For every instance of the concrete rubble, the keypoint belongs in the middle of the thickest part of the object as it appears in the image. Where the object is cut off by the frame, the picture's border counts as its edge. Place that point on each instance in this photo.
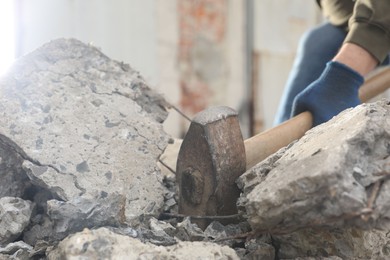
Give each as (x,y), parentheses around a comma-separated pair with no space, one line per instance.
(76,124)
(334,178)
(81,137)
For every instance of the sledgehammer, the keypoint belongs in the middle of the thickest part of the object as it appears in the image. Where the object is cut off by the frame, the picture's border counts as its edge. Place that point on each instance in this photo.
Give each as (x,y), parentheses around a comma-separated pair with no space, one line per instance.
(213,154)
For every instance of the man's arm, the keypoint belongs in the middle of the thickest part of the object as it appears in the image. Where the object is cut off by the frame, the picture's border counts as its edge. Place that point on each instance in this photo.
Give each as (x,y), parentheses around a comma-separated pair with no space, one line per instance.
(367,44)
(338,86)
(357,58)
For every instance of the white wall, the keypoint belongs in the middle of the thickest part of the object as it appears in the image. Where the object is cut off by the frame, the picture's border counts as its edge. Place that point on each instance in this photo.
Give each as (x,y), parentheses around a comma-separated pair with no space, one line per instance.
(125,30)
(167,67)
(278,27)
(235,53)
(7,43)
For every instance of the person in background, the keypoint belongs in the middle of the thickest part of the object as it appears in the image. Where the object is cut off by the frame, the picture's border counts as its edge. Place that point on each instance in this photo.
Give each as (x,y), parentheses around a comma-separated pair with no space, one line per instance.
(333,58)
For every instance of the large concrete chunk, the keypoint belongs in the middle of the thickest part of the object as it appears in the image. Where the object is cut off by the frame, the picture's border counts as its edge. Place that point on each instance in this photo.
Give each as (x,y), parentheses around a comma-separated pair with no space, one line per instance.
(84,126)
(336,175)
(104,244)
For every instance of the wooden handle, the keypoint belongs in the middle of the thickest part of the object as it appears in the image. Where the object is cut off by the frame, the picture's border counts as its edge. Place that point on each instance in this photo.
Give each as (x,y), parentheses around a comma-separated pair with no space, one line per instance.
(261,146)
(376,83)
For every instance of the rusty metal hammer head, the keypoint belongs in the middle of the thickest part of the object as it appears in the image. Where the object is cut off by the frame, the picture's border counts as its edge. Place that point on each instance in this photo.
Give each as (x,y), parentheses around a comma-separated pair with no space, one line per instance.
(211,158)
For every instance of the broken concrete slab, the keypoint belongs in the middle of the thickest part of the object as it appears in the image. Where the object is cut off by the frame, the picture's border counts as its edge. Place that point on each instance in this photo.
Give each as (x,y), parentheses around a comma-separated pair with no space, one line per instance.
(84,127)
(15,215)
(336,175)
(102,243)
(83,135)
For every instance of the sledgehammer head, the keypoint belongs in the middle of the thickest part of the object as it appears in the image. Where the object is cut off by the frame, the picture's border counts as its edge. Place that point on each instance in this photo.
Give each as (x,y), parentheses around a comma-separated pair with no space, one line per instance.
(211,158)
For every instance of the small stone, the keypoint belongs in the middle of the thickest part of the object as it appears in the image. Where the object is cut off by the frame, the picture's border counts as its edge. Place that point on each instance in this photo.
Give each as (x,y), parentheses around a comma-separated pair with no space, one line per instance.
(14,247)
(15,215)
(187,231)
(156,225)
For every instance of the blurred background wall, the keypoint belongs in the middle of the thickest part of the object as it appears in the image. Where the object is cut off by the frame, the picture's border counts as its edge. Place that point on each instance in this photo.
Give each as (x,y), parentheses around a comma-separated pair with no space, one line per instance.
(197,53)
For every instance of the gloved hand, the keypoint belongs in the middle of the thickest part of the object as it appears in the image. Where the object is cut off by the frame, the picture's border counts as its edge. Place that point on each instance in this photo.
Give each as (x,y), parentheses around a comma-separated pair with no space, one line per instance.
(335,90)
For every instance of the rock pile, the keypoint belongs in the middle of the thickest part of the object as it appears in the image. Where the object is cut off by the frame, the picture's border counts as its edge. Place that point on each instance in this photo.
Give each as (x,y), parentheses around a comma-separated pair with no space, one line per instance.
(333,180)
(80,140)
